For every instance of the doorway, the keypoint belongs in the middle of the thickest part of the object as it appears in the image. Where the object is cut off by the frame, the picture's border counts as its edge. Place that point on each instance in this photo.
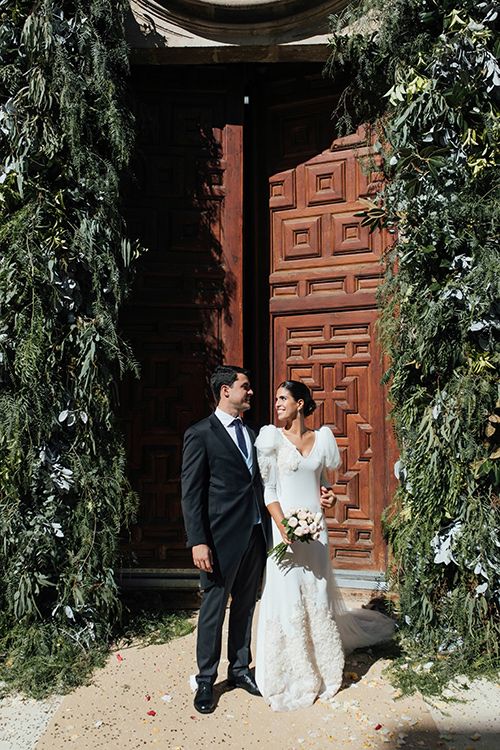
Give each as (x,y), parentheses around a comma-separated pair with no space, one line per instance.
(255,255)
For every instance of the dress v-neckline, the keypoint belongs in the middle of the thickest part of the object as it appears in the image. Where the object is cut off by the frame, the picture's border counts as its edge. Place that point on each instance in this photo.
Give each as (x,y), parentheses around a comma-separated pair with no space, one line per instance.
(294,446)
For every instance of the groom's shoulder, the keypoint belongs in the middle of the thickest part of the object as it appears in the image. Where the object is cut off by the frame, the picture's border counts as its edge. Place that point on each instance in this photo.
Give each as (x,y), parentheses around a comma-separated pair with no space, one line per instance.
(201,426)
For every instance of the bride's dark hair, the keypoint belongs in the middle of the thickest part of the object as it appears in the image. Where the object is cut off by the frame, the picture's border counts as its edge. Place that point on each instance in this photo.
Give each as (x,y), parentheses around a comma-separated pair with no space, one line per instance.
(300,391)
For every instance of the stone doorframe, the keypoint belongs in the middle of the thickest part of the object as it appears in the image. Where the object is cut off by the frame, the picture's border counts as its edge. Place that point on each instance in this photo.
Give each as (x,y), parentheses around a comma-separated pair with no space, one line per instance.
(222,31)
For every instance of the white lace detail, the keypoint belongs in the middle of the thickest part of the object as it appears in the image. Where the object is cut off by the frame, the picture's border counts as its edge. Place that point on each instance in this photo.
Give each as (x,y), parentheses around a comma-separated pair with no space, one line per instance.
(288,456)
(306,661)
(266,464)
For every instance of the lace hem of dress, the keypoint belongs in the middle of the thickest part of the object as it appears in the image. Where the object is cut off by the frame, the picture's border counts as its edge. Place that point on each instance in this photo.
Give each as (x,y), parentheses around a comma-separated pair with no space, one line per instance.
(305,657)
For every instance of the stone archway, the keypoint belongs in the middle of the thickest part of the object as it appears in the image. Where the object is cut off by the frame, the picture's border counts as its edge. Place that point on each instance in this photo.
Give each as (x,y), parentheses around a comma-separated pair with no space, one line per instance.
(232,30)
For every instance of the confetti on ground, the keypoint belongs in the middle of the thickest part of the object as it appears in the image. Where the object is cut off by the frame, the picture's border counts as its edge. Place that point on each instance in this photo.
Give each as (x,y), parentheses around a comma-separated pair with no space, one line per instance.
(98,723)
(475,736)
(166,698)
(377,727)
(147,697)
(119,657)
(192,683)
(151,713)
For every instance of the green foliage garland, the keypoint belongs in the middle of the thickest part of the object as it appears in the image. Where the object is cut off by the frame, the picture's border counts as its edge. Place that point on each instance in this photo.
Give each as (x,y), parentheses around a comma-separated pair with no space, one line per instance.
(64,139)
(424,72)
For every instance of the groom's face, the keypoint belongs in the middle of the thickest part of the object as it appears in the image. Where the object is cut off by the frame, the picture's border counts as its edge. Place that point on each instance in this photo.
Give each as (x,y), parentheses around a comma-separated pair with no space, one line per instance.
(238,394)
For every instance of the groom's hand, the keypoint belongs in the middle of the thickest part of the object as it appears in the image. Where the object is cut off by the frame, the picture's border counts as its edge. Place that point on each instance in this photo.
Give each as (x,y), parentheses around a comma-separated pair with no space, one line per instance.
(202,557)
(327,498)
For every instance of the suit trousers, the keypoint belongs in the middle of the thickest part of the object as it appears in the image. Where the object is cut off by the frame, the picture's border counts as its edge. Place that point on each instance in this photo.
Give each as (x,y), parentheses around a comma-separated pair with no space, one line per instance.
(242,584)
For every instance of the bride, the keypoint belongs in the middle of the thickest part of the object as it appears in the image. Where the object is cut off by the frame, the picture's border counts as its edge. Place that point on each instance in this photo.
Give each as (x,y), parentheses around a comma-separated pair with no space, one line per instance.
(304,629)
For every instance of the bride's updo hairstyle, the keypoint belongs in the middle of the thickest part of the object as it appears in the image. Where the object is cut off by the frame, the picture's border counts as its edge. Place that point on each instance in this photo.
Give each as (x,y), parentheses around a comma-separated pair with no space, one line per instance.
(300,391)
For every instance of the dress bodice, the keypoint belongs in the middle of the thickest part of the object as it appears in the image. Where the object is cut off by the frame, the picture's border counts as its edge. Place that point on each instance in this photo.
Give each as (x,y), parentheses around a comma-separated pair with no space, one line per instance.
(289,477)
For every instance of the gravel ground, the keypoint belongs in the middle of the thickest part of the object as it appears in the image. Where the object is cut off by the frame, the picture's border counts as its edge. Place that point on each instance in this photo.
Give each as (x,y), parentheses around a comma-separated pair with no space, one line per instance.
(142,699)
(23,721)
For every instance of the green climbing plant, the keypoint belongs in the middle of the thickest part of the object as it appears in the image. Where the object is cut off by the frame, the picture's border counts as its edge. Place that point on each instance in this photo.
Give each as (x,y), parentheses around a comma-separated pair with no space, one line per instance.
(424,73)
(65,138)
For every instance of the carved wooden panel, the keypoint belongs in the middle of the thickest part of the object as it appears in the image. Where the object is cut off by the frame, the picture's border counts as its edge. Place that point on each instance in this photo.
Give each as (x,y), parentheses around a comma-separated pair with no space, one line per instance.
(324,271)
(337,356)
(184,315)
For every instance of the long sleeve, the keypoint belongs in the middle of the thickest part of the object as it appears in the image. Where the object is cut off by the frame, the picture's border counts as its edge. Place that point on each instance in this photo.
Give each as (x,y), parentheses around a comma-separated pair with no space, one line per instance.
(266,457)
(194,480)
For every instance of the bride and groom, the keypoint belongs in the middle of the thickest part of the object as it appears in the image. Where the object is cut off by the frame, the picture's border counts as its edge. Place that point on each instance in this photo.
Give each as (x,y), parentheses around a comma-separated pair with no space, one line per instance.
(235,492)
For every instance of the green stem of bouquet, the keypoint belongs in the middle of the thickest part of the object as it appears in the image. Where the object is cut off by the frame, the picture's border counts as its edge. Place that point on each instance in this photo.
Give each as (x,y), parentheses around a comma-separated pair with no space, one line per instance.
(279,551)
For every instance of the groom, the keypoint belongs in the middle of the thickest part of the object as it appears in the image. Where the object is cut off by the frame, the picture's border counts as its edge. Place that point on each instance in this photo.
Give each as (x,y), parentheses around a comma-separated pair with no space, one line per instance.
(227,526)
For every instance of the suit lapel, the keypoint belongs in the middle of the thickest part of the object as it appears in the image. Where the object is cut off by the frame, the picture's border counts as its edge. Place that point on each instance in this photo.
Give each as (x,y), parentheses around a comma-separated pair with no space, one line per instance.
(226,439)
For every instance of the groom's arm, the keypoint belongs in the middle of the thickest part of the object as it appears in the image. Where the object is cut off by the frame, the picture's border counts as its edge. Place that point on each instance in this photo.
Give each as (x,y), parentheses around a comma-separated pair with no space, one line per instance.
(194,480)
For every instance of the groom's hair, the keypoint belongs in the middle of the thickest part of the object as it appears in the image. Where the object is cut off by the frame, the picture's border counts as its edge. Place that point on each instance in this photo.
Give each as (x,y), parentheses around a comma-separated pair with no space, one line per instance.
(224,375)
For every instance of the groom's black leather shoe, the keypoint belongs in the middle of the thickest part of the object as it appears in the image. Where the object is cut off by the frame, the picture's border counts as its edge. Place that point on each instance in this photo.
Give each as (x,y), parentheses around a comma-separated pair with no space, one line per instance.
(245,681)
(204,698)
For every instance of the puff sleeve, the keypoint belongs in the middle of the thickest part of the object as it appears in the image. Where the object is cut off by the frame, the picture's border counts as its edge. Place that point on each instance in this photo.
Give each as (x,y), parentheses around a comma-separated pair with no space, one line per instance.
(330,452)
(266,446)
(331,455)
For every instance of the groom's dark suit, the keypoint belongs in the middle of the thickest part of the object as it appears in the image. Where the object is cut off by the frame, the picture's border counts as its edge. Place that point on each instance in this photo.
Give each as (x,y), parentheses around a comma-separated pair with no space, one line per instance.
(221,501)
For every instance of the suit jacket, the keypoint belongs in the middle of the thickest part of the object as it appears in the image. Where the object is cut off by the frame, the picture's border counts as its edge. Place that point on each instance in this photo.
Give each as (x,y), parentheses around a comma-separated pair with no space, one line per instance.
(219,493)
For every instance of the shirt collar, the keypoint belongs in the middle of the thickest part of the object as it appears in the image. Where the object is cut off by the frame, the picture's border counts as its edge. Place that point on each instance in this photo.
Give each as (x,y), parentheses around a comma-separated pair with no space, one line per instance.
(224,417)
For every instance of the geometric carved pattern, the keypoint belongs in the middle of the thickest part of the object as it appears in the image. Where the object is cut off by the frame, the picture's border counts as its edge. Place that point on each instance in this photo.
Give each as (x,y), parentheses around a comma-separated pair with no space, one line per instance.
(302,238)
(325,268)
(282,190)
(336,355)
(326,183)
(313,215)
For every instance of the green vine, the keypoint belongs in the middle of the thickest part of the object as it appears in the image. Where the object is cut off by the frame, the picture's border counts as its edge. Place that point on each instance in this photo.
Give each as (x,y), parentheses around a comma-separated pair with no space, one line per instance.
(65,138)
(424,73)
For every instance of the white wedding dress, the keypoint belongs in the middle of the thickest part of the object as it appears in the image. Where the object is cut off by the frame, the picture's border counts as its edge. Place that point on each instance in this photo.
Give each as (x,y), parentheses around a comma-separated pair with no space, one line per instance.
(304,629)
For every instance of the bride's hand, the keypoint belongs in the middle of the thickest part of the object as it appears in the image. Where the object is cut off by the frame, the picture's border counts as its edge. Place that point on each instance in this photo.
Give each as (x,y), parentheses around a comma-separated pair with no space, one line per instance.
(282,531)
(327,498)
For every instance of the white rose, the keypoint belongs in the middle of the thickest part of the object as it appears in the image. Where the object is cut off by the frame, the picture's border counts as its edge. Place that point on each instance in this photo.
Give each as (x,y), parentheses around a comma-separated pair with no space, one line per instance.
(292,522)
(303,523)
(299,531)
(302,515)
(313,528)
(316,536)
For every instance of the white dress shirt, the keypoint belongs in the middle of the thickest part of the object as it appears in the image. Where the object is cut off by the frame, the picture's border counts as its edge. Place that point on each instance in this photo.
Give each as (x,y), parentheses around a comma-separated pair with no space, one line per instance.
(226,420)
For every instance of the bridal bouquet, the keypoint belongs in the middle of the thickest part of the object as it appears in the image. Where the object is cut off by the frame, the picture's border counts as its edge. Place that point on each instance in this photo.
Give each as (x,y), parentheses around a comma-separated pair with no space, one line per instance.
(301,526)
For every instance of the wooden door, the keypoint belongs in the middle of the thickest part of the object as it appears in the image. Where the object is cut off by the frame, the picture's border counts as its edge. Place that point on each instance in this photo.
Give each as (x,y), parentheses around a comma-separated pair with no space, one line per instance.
(325,268)
(185,313)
